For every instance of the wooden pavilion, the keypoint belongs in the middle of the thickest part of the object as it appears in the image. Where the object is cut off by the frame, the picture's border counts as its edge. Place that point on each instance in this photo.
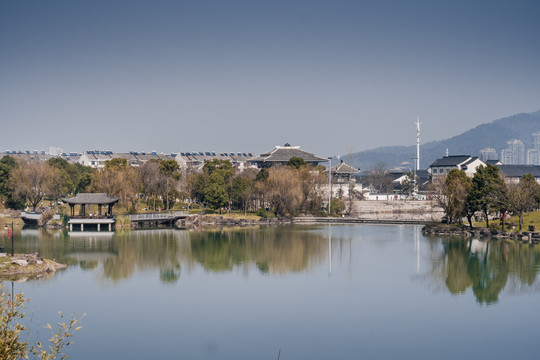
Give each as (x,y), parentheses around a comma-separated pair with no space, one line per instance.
(99,199)
(343,173)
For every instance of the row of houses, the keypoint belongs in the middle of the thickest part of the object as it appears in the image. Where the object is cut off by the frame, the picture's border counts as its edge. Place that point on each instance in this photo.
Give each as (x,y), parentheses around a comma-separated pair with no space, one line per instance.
(194,161)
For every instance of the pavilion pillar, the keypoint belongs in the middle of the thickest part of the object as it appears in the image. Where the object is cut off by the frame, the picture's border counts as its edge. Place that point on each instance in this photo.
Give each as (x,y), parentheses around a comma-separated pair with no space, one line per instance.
(109,226)
(82,227)
(99,209)
(70,227)
(98,226)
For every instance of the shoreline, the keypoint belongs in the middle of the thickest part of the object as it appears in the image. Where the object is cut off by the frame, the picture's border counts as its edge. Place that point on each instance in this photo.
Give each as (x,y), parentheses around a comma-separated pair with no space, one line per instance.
(355,220)
(27,266)
(531,237)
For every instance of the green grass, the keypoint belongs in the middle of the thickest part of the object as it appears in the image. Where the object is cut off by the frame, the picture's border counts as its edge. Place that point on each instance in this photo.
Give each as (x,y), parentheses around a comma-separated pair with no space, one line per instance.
(530,218)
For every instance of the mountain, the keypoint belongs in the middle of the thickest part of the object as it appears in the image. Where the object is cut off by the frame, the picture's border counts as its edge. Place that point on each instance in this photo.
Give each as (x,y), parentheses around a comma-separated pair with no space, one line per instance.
(494,135)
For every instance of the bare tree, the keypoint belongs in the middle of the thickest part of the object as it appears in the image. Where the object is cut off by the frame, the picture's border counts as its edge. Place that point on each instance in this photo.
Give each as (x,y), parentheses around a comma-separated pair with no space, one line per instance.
(118,179)
(451,194)
(522,197)
(284,190)
(34,180)
(378,177)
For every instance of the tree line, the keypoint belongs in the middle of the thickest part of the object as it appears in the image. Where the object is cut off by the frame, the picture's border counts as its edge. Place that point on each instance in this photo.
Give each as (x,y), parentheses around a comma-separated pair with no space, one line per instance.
(159,184)
(486,193)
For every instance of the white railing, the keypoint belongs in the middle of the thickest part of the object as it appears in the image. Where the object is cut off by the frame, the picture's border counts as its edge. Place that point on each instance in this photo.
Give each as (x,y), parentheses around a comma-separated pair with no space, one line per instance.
(157,216)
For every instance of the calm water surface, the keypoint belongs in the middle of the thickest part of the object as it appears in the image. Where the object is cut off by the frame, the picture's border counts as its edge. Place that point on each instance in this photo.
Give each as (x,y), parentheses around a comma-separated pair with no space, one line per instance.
(313,292)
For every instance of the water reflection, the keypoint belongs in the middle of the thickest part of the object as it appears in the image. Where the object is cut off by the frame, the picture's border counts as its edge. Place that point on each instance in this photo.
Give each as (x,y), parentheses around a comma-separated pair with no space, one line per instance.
(486,267)
(273,250)
(118,256)
(483,269)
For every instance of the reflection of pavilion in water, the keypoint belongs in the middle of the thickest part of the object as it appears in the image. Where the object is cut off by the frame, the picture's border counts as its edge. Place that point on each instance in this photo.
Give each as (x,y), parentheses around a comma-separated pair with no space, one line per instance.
(90,249)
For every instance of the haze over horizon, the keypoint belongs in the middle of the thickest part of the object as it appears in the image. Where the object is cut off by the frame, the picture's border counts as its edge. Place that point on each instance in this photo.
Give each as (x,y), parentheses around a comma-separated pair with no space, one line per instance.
(332,77)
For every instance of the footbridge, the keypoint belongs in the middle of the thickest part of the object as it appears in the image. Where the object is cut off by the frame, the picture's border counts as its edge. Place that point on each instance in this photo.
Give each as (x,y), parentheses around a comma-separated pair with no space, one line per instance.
(152,219)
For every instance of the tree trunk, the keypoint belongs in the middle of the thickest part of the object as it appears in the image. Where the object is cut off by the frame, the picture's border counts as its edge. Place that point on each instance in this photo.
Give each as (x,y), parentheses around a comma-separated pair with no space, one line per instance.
(469,218)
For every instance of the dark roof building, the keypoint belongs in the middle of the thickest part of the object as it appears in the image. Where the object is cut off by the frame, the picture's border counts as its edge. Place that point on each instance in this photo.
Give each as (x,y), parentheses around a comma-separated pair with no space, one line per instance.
(442,166)
(512,173)
(282,154)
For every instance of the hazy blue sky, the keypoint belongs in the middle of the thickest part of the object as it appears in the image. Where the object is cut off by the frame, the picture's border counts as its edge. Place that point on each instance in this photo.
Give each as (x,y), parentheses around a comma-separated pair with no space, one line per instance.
(331,76)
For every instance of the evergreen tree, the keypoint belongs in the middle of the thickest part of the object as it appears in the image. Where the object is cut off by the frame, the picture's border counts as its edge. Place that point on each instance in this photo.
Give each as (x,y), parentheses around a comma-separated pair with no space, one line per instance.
(488,193)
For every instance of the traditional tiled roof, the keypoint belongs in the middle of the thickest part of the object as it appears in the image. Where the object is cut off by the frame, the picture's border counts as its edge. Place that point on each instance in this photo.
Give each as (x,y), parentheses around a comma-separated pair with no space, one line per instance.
(91,198)
(453,160)
(343,168)
(519,170)
(282,154)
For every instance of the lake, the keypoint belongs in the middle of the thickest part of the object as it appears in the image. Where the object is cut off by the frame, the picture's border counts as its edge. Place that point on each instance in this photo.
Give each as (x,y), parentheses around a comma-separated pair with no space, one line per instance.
(297,292)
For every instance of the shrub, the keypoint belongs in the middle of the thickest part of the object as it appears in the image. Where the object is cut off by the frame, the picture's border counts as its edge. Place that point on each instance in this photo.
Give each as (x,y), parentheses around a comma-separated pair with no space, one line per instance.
(338,206)
(265,213)
(12,346)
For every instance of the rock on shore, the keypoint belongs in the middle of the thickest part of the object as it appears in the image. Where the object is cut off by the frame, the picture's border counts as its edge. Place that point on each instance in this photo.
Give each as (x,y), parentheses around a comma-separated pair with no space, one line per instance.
(27,266)
(448,230)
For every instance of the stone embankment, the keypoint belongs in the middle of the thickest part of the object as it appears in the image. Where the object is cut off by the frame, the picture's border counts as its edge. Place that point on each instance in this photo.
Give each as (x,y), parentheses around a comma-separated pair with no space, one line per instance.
(447,230)
(396,210)
(23,266)
(195,222)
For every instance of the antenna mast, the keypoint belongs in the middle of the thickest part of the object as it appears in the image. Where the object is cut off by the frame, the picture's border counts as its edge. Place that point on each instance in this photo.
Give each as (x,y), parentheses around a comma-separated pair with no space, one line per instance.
(417,123)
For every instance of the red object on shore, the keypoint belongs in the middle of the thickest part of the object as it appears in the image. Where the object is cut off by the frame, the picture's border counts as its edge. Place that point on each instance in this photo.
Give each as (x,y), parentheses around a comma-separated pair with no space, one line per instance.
(9,233)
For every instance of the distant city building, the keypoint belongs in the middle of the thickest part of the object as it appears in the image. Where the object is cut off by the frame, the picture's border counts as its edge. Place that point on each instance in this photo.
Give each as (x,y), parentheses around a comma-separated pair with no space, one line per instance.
(441,167)
(514,154)
(533,155)
(282,154)
(488,154)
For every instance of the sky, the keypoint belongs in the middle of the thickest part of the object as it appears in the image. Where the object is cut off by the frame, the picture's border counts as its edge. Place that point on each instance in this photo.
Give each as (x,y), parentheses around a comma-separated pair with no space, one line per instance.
(334,77)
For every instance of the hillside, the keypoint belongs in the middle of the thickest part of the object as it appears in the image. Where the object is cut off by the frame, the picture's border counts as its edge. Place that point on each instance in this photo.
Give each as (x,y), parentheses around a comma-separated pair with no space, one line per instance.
(494,134)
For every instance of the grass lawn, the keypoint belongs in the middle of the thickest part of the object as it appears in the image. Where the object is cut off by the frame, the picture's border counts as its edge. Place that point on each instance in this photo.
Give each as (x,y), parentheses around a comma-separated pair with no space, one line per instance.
(530,218)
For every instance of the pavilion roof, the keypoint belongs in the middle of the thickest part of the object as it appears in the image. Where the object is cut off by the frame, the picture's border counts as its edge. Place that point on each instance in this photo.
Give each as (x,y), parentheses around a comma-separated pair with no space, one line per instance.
(343,168)
(91,198)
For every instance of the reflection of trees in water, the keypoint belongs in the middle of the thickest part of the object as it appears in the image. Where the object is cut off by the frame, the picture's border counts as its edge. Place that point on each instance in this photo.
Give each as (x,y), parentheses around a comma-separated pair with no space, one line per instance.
(51,244)
(277,250)
(486,267)
(142,250)
(272,250)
